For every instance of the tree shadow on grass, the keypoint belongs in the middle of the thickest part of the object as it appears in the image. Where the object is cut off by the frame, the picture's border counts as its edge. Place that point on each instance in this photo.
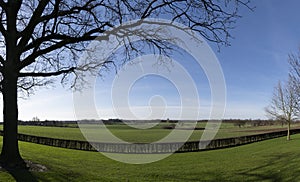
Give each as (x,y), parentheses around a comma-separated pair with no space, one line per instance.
(25,174)
(22,175)
(279,167)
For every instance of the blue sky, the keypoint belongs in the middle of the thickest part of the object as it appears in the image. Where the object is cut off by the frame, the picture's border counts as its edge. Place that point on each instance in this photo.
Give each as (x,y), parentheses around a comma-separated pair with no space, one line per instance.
(257,58)
(252,65)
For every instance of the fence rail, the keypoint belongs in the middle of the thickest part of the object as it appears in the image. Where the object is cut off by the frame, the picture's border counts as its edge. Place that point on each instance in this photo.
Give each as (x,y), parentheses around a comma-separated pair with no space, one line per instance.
(143,148)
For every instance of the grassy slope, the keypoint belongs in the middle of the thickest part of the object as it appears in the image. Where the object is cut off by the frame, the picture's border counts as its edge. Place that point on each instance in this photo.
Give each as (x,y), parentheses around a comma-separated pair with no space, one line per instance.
(272,160)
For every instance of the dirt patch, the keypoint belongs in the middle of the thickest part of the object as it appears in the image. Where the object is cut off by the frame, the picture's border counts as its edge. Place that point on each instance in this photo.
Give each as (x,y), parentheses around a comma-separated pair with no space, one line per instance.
(173,128)
(190,128)
(30,166)
(265,130)
(35,167)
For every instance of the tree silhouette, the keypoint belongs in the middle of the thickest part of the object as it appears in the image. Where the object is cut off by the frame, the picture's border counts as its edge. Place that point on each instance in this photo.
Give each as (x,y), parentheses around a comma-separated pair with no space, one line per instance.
(42,39)
(284,104)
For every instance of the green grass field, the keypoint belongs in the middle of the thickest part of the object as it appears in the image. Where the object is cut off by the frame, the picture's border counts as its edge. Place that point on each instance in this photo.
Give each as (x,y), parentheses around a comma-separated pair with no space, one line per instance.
(137,135)
(271,160)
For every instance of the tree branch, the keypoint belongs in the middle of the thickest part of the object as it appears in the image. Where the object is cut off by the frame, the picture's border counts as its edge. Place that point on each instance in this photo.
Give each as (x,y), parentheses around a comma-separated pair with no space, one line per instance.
(2,60)
(27,32)
(3,5)
(48,74)
(56,36)
(73,10)
(31,58)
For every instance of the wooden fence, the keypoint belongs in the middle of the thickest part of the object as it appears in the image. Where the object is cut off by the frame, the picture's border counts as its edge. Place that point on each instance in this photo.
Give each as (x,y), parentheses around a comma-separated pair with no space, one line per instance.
(144,148)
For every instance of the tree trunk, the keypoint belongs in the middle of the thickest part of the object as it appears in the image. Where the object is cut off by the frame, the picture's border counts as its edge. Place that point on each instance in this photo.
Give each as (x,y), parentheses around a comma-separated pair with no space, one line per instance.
(288,131)
(10,156)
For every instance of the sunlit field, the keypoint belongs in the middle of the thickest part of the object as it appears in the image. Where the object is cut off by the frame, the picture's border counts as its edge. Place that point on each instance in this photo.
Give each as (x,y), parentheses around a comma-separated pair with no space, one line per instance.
(155,133)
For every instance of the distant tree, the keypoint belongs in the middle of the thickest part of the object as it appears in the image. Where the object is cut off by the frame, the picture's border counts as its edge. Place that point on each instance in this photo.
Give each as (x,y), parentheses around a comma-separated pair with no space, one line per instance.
(240,123)
(284,104)
(36,119)
(41,39)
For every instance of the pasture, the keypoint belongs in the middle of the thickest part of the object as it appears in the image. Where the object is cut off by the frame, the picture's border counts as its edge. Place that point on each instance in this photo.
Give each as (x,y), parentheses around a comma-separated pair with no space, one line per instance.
(147,135)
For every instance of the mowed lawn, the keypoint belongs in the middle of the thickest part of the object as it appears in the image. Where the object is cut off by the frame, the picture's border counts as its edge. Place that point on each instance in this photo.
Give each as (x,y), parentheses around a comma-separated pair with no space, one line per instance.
(138,135)
(271,160)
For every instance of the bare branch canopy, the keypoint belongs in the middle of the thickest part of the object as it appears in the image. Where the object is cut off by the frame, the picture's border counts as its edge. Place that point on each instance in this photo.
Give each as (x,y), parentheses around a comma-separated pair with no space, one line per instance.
(53,32)
(43,39)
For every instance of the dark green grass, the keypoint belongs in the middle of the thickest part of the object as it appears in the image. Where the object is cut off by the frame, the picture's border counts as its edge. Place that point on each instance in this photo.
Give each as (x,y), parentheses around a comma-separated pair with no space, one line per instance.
(271,160)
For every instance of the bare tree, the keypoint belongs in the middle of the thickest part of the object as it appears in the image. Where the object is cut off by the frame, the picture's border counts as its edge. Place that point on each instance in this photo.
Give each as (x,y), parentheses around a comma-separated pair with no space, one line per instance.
(284,104)
(294,62)
(42,39)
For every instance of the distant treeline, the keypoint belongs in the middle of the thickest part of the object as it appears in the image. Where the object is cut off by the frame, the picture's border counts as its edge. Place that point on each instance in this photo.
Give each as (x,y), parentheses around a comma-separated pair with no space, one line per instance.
(68,123)
(236,122)
(255,122)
